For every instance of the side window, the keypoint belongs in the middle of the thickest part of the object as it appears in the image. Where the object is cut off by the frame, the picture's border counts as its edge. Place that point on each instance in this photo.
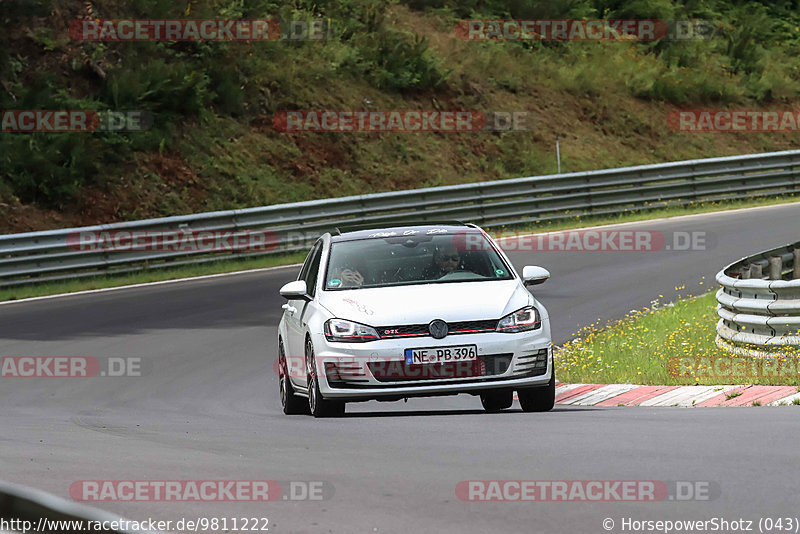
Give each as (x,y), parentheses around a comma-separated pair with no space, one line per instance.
(307,263)
(311,274)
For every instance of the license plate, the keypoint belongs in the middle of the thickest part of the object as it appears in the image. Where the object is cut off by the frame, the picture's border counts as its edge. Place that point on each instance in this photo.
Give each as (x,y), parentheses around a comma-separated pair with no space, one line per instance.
(456,353)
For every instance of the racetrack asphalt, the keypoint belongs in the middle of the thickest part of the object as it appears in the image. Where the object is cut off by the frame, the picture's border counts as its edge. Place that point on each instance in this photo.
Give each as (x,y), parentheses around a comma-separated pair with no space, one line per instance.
(207,408)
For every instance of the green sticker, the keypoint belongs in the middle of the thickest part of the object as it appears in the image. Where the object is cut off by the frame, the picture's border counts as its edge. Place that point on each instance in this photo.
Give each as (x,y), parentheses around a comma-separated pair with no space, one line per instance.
(334,283)
(499,272)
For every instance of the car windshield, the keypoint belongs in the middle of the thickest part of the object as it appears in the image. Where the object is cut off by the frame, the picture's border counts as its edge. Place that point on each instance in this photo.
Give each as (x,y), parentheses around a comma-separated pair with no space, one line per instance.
(413,257)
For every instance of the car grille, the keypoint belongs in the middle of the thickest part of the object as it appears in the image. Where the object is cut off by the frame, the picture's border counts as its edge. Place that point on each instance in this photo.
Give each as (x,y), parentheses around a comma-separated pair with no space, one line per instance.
(399,371)
(455,328)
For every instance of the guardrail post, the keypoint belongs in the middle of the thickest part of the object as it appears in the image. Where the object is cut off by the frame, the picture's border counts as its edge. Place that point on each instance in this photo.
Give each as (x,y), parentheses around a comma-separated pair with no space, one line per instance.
(796,269)
(775,267)
(744,272)
(795,181)
(756,271)
(693,182)
(481,206)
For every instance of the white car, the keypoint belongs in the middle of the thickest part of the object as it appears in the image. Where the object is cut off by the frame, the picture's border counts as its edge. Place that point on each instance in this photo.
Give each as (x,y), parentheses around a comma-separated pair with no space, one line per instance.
(426,310)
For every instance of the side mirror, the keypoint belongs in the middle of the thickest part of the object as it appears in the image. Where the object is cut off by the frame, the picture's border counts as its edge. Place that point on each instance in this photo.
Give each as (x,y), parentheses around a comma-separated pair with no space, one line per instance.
(296,290)
(533,275)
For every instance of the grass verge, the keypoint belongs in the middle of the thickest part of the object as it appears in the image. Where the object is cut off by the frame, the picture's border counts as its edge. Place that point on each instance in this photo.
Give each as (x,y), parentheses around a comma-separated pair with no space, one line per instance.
(224,266)
(670,344)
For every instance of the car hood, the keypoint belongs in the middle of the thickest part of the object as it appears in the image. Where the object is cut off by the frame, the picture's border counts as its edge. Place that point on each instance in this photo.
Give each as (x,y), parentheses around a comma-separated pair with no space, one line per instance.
(420,304)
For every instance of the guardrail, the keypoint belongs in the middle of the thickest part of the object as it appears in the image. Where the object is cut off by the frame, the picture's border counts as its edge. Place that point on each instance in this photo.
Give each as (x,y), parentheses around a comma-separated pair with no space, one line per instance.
(50,255)
(759,302)
(24,509)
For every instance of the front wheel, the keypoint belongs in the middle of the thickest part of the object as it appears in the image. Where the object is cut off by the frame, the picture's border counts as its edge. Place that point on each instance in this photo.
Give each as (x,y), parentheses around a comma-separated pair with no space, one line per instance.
(290,402)
(318,406)
(541,399)
(494,401)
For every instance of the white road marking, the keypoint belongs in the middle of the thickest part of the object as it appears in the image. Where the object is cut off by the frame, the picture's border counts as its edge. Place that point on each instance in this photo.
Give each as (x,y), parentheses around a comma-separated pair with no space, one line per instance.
(648,221)
(701,394)
(150,284)
(666,399)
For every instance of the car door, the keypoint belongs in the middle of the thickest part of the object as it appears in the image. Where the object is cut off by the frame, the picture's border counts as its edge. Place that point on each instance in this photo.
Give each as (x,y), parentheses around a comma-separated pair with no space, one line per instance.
(297,316)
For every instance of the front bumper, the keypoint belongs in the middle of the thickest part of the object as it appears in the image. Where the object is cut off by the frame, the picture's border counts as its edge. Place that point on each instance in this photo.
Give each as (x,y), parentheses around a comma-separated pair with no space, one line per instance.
(377,370)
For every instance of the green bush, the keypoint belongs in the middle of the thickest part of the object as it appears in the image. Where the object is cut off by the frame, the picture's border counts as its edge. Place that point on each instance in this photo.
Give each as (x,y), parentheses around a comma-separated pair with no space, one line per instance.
(48,169)
(637,9)
(158,86)
(391,59)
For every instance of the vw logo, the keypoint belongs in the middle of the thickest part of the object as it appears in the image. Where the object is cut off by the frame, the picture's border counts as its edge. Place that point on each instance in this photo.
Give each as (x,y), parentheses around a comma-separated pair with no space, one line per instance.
(438,329)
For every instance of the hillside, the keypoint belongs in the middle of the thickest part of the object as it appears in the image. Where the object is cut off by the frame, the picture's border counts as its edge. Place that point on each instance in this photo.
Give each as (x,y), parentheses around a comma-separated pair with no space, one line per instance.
(214,145)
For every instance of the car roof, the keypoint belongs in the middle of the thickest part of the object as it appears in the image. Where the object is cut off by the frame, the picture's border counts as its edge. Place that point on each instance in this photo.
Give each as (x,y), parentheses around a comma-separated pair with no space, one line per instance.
(367,232)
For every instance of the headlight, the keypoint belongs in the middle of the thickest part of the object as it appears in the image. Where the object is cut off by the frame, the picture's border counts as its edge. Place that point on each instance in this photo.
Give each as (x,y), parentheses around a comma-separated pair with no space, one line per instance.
(520,321)
(341,330)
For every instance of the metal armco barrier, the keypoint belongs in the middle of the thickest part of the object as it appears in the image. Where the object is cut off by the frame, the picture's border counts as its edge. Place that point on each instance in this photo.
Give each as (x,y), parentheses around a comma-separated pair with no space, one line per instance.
(24,509)
(48,255)
(759,302)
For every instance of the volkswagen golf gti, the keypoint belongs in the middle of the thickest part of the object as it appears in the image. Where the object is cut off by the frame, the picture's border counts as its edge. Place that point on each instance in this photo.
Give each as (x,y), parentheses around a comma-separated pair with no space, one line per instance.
(412,311)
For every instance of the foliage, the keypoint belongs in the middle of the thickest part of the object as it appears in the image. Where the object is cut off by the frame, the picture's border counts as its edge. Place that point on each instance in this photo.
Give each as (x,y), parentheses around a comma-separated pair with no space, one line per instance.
(227,89)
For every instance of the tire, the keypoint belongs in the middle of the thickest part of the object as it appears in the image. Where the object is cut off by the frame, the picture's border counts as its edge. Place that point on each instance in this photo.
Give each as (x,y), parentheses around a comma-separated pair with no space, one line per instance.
(317,405)
(494,401)
(541,399)
(290,402)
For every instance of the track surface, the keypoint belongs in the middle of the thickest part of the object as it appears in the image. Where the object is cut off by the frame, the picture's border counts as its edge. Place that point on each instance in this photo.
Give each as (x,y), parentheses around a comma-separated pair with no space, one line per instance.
(207,408)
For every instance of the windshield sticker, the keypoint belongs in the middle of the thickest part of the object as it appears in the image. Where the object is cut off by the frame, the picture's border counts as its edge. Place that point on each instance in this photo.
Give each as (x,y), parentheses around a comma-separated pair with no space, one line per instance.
(499,272)
(334,283)
(433,231)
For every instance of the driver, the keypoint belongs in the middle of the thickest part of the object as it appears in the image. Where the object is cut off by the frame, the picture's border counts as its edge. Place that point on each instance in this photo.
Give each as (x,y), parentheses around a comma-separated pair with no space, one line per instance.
(446,259)
(347,274)
(352,278)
